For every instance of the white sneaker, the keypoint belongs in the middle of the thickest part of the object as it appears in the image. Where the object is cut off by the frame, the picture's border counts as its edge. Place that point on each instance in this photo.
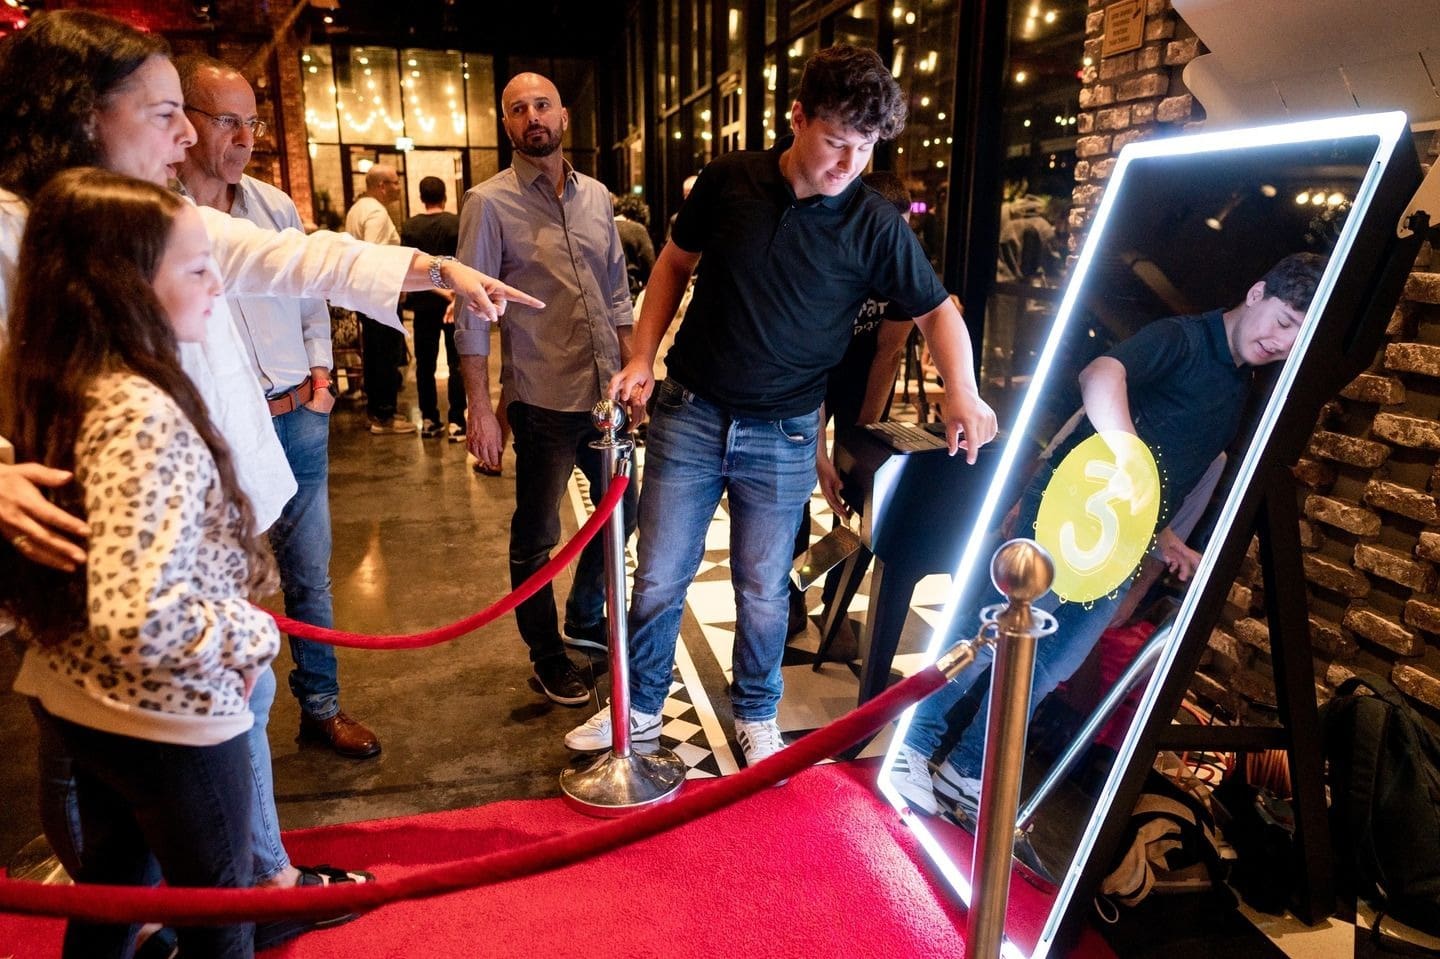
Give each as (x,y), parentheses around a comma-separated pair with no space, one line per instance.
(593,735)
(758,740)
(911,776)
(456,432)
(960,792)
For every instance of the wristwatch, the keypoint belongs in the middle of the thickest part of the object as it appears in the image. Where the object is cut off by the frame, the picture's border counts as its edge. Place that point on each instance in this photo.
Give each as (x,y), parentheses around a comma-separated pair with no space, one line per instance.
(436,279)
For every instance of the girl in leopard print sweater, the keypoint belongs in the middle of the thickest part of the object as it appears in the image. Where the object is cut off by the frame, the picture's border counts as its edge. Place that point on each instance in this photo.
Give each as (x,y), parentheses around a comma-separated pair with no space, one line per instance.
(139,665)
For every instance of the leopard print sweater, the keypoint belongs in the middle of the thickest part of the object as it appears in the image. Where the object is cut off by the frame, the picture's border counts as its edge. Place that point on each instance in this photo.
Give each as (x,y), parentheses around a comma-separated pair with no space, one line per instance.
(173,644)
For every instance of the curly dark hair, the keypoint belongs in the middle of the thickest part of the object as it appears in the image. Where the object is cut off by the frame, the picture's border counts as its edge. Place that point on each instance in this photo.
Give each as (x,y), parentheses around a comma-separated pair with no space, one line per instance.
(1294,279)
(85,306)
(851,85)
(631,207)
(890,187)
(54,75)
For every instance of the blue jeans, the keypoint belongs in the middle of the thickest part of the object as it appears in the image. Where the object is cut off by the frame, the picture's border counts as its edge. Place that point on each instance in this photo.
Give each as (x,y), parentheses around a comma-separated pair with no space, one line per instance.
(301,540)
(549,444)
(694,453)
(265,843)
(137,811)
(1057,656)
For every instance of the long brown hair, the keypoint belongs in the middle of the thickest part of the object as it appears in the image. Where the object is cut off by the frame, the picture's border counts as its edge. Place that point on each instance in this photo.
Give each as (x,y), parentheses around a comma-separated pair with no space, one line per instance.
(54,75)
(84,306)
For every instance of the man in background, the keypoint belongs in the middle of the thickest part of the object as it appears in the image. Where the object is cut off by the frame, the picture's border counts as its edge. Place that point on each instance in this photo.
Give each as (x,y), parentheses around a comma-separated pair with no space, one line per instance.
(289,345)
(550,229)
(384,347)
(437,232)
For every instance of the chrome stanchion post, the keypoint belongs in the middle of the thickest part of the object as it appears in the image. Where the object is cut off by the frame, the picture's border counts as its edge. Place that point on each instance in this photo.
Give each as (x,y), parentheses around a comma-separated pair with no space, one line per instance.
(1023,571)
(624,778)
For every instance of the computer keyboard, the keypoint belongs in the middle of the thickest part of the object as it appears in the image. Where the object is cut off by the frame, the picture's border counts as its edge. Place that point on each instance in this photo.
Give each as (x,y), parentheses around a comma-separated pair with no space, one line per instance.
(906,437)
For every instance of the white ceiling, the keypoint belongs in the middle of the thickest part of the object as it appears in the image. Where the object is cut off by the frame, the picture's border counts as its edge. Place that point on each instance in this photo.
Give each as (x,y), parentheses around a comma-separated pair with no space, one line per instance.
(1294,59)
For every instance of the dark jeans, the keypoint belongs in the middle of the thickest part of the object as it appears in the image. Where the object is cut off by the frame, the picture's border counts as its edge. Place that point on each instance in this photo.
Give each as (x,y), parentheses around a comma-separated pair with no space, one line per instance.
(384,358)
(548,446)
(429,327)
(140,811)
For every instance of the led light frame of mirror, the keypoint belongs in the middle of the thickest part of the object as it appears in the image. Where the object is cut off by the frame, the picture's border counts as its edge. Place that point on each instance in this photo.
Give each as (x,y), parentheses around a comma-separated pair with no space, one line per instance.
(1388,130)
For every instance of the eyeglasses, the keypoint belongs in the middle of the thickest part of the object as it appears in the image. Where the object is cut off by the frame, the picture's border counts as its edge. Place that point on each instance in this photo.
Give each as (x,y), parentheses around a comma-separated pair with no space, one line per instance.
(230,123)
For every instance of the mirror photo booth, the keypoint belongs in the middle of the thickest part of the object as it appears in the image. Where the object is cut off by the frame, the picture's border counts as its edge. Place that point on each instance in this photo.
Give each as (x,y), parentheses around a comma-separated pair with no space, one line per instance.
(1230,283)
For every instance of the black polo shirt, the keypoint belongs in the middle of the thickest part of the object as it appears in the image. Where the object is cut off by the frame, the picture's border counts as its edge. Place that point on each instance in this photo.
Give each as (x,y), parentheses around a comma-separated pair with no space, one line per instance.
(1187,399)
(780,282)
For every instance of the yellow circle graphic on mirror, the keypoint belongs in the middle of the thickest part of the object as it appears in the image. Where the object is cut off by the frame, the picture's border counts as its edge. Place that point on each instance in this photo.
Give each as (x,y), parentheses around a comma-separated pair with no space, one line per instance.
(1097,515)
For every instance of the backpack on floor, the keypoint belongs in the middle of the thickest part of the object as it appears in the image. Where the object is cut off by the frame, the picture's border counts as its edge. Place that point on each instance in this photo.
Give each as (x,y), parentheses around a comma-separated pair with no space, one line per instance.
(1169,846)
(1385,799)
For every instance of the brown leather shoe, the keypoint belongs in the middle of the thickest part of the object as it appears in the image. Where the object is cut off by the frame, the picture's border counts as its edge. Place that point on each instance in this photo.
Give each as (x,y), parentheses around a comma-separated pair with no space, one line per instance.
(347,737)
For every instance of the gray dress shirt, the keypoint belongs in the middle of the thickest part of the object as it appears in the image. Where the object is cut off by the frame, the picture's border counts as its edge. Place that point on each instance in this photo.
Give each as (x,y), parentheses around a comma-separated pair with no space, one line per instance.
(284,336)
(565,251)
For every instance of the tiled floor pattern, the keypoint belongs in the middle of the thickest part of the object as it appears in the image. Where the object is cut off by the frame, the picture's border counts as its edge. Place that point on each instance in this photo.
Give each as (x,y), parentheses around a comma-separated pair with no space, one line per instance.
(694,727)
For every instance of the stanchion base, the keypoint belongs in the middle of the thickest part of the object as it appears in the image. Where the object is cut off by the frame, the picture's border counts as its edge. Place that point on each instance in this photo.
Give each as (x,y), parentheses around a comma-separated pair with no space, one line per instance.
(611,785)
(36,862)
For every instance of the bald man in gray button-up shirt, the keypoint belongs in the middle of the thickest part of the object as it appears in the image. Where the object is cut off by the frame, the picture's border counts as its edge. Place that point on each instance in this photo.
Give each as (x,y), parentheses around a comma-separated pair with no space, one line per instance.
(550,230)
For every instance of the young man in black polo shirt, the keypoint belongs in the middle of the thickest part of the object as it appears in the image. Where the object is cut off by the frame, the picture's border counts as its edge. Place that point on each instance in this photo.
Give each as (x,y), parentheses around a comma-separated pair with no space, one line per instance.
(792,244)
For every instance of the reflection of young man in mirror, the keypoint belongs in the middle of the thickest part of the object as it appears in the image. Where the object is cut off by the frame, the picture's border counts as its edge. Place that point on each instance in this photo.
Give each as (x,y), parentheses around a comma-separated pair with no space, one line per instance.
(1159,408)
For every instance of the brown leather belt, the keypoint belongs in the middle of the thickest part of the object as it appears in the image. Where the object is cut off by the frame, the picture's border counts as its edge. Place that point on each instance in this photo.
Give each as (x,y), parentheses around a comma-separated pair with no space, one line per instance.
(292,399)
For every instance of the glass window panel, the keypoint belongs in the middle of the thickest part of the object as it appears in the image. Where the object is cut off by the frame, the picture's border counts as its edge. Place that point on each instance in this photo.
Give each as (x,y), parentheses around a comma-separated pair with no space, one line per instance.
(677,160)
(770,117)
(662,89)
(924,65)
(636,164)
(735,36)
(575,79)
(635,102)
(1041,106)
(672,60)
(700,26)
(732,119)
(803,13)
(484,164)
(771,22)
(858,25)
(800,50)
(702,134)
(367,81)
(482,124)
(327,180)
(318,76)
(434,97)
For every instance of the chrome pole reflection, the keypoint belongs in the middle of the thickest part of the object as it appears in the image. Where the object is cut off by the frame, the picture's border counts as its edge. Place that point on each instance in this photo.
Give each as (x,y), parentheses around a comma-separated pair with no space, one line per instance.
(1023,571)
(624,778)
(1141,667)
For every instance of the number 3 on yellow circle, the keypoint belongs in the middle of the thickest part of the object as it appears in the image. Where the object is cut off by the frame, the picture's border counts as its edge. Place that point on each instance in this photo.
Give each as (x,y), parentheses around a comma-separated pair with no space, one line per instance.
(1097,515)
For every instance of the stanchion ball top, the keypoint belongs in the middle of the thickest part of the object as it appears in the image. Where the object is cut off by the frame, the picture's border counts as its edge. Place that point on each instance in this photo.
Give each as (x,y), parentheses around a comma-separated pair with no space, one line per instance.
(1022,570)
(608,415)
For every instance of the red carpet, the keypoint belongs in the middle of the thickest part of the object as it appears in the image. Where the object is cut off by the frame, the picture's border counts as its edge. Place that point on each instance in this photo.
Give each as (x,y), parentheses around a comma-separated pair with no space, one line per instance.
(819,868)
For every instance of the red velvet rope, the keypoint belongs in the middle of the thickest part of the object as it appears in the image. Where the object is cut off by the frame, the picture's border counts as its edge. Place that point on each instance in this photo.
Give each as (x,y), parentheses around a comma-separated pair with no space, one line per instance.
(474,621)
(125,904)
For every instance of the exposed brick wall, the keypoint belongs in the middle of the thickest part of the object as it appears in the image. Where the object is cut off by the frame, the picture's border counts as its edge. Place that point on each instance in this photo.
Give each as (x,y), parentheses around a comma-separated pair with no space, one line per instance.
(1127,97)
(1368,482)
